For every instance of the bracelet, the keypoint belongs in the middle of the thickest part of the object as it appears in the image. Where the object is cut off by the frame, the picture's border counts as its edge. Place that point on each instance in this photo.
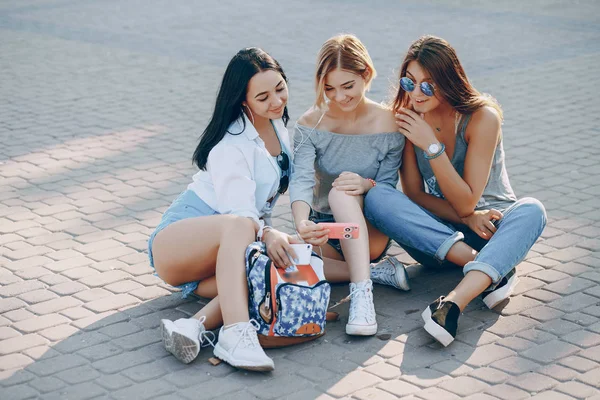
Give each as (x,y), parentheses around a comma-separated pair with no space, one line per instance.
(436,155)
(263,231)
(372,181)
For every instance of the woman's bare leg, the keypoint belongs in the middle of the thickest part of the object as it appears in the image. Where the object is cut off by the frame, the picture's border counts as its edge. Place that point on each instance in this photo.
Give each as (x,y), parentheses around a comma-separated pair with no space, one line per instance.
(370,243)
(197,248)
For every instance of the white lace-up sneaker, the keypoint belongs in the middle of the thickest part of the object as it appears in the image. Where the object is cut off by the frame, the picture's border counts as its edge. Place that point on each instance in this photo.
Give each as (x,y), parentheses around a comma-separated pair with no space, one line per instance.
(391,272)
(361,320)
(238,345)
(183,338)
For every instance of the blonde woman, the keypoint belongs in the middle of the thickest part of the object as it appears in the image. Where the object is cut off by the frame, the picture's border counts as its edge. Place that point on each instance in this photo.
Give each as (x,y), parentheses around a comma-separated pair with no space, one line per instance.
(344,146)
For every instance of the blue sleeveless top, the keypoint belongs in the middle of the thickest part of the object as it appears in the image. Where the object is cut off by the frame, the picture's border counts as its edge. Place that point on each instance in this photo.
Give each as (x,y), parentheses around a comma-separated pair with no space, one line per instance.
(497,194)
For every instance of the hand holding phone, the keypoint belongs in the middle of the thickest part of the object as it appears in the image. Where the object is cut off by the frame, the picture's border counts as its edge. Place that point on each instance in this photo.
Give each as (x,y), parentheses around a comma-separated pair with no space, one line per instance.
(303,253)
(341,230)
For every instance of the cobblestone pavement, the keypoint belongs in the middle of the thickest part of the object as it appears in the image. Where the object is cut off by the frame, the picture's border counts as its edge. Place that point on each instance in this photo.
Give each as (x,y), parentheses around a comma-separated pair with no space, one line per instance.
(101,106)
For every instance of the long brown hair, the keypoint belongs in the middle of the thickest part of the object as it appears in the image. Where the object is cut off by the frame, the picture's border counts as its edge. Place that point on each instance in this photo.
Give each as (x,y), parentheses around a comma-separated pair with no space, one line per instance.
(439,59)
(344,52)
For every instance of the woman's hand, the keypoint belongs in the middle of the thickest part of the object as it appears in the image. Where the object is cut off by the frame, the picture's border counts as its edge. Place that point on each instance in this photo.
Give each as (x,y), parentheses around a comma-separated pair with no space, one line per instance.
(481,222)
(312,233)
(279,249)
(415,129)
(351,183)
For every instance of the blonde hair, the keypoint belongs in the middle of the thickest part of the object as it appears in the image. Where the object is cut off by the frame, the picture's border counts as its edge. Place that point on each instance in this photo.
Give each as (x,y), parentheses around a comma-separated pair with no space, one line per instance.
(344,52)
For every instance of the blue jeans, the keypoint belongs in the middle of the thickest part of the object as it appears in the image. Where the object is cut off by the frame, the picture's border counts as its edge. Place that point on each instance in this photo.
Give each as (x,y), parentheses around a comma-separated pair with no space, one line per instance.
(427,238)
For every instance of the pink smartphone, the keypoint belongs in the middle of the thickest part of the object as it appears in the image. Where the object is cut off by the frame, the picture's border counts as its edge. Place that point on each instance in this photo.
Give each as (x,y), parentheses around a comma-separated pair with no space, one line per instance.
(341,230)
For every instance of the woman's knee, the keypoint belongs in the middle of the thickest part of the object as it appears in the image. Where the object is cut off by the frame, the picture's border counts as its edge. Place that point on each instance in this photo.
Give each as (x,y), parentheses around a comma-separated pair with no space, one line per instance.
(534,210)
(339,197)
(380,200)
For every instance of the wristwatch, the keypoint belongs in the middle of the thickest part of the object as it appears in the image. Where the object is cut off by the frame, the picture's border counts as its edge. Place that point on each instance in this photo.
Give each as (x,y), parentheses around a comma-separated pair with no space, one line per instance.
(434,150)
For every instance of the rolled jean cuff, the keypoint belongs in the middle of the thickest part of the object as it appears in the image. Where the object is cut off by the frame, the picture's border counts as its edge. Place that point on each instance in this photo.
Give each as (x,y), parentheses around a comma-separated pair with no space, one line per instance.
(483,267)
(443,250)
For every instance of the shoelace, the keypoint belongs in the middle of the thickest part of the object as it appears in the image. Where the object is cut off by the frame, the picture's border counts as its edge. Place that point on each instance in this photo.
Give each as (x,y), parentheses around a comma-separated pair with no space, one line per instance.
(205,335)
(362,302)
(385,273)
(248,334)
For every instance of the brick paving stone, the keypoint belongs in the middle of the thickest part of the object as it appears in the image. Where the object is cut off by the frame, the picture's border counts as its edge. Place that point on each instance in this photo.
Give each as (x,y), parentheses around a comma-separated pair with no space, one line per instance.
(85,390)
(576,389)
(507,392)
(18,315)
(47,384)
(38,323)
(112,302)
(364,394)
(464,386)
(13,361)
(551,351)
(20,392)
(591,378)
(92,294)
(54,305)
(550,395)
(558,372)
(7,333)
(435,393)
(533,382)
(579,363)
(20,343)
(398,388)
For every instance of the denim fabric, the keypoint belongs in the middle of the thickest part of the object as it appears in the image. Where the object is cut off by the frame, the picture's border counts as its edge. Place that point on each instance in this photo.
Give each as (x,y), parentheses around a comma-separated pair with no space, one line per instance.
(187,205)
(317,217)
(427,238)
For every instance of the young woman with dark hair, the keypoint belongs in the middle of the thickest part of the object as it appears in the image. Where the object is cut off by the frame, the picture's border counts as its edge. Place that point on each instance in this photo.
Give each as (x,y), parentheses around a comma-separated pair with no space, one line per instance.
(458,207)
(244,161)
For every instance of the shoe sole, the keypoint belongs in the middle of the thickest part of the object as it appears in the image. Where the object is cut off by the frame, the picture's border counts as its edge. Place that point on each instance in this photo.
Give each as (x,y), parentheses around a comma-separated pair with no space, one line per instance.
(403,283)
(498,296)
(436,331)
(222,354)
(182,347)
(361,330)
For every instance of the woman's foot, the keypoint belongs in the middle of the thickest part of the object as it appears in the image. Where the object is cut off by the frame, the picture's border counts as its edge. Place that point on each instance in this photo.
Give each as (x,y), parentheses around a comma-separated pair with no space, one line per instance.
(389,271)
(238,346)
(361,321)
(441,320)
(183,338)
(505,288)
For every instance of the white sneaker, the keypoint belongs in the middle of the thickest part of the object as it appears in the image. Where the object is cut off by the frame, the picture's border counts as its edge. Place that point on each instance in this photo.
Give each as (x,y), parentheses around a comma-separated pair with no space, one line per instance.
(362,319)
(238,345)
(391,272)
(183,338)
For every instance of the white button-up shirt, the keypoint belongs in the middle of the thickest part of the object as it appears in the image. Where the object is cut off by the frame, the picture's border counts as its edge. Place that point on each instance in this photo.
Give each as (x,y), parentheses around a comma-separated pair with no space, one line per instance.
(240,173)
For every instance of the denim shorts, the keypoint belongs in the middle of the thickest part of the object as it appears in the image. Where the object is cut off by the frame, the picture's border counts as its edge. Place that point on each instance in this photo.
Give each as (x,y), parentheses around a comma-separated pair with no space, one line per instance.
(187,205)
(316,217)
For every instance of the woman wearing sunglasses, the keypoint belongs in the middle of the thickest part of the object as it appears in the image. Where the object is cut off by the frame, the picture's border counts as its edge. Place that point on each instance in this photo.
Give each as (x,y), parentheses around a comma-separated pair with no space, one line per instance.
(199,245)
(458,207)
(344,146)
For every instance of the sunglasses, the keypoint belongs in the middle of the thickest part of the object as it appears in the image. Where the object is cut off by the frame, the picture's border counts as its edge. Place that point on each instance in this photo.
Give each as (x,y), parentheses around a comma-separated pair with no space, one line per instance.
(408,85)
(284,163)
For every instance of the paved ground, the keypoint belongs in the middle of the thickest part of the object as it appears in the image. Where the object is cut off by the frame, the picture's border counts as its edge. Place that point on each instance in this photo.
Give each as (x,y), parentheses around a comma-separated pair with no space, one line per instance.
(101,106)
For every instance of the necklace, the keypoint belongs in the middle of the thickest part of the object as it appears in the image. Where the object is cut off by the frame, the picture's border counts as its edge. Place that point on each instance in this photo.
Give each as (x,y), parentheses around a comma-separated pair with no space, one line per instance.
(456,117)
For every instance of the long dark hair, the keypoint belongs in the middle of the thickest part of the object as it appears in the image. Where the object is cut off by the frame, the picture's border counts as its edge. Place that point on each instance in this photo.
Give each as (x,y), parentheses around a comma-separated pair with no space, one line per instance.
(228,106)
(438,58)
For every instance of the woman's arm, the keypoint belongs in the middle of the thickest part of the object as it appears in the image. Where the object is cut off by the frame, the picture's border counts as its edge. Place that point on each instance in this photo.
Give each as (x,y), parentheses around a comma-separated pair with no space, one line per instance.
(463,193)
(413,187)
(482,136)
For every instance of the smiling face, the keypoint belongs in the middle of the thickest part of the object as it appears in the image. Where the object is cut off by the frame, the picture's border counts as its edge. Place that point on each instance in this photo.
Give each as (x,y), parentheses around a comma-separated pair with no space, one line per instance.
(345,90)
(421,102)
(267,95)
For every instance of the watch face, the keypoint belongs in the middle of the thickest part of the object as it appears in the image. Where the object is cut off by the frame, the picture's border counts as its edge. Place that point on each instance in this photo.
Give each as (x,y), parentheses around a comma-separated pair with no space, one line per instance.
(433,148)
